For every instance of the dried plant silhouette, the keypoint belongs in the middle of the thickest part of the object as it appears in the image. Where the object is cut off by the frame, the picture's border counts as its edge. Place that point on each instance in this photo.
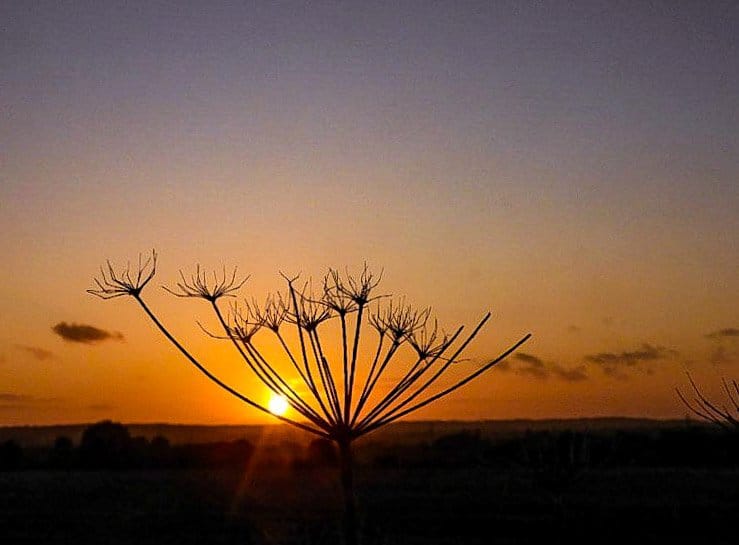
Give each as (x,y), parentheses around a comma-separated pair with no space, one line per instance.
(342,401)
(710,410)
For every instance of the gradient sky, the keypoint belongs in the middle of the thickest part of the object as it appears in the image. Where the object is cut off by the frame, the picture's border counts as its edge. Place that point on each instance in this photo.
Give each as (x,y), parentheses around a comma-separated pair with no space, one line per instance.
(573,167)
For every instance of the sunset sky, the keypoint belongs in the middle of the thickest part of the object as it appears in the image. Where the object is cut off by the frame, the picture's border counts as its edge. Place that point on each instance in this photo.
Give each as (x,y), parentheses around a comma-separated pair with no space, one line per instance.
(572,167)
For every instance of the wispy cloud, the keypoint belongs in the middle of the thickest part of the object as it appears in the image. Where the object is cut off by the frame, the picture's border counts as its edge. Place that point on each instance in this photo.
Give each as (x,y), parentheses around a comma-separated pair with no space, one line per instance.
(12,400)
(614,363)
(647,352)
(719,356)
(528,365)
(7,397)
(40,354)
(83,333)
(725,346)
(728,332)
(529,359)
(575,374)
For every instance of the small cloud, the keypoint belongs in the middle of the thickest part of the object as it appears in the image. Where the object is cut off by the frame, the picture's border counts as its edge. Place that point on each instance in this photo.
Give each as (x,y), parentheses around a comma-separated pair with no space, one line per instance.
(529,359)
(82,333)
(722,355)
(575,374)
(572,328)
(614,363)
(719,356)
(40,354)
(616,373)
(529,365)
(647,352)
(533,371)
(725,349)
(728,332)
(7,397)
(11,400)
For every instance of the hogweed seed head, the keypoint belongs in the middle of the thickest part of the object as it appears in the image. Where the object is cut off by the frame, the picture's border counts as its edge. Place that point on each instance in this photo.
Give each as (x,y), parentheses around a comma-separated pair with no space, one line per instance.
(198,285)
(113,284)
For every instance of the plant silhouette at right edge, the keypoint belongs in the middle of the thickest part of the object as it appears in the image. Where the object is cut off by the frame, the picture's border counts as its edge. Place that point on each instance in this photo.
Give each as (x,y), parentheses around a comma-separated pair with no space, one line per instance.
(711,411)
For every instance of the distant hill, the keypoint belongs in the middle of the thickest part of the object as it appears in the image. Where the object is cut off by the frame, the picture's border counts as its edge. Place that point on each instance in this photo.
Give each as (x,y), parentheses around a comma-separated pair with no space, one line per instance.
(37,436)
(401,432)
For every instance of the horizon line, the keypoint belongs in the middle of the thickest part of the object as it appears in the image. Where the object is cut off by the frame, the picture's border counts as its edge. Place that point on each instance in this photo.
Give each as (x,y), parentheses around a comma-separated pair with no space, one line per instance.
(424,421)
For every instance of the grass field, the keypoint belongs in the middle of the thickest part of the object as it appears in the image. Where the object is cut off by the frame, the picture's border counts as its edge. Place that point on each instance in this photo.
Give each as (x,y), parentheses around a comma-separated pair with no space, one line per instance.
(397,506)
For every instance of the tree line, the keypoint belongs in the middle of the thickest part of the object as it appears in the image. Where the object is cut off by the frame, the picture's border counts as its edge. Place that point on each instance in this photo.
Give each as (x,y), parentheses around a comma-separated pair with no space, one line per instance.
(109,445)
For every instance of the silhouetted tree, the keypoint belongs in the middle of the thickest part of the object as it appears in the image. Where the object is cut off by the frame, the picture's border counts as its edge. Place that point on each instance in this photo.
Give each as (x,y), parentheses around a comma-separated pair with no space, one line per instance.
(105,444)
(160,451)
(322,453)
(711,410)
(344,401)
(62,454)
(11,455)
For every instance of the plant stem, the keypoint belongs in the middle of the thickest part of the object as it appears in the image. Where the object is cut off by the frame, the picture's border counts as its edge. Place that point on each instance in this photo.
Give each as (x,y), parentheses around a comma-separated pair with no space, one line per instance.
(346,464)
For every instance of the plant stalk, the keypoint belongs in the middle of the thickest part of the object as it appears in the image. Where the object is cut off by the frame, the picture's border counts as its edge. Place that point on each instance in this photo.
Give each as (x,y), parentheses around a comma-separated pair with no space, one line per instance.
(346,465)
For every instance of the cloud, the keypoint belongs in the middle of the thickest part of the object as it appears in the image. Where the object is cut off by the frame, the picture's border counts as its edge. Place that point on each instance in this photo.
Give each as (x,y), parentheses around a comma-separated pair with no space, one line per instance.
(647,352)
(6,397)
(614,363)
(722,355)
(531,366)
(725,348)
(532,361)
(727,332)
(40,354)
(82,333)
(572,328)
(11,401)
(575,374)
(525,364)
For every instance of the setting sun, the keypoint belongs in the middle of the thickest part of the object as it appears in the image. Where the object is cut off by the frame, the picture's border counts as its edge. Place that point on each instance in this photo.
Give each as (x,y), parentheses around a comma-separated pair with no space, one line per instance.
(277,405)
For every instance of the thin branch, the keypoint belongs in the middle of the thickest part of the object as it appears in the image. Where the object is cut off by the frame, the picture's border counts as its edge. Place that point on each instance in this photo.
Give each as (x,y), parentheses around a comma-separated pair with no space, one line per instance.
(265,372)
(332,391)
(363,396)
(304,353)
(391,418)
(408,381)
(218,381)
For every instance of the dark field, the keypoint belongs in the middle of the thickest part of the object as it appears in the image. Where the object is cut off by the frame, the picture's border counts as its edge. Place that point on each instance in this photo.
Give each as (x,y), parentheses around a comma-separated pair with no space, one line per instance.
(404,506)
(571,482)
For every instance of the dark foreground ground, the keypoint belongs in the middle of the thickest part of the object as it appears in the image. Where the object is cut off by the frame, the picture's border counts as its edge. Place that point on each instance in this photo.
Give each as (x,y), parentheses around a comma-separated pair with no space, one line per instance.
(412,505)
